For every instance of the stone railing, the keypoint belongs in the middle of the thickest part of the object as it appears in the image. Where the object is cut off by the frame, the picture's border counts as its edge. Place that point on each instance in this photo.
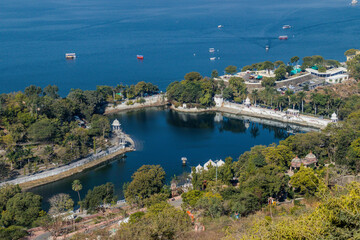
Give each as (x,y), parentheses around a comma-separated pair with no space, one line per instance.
(59,170)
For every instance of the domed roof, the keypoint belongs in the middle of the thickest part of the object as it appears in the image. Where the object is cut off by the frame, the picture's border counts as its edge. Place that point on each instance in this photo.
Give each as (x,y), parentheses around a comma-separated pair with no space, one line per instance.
(296,159)
(116,123)
(310,156)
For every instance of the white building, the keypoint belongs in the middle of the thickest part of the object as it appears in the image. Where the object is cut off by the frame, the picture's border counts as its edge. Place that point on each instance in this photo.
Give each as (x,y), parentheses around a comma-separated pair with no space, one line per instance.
(208,163)
(337,78)
(334,118)
(199,168)
(219,100)
(329,73)
(247,101)
(116,126)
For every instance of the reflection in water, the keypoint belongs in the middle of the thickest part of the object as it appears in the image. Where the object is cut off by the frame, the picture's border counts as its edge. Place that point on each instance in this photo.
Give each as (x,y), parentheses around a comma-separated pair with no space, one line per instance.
(254,130)
(190,120)
(163,136)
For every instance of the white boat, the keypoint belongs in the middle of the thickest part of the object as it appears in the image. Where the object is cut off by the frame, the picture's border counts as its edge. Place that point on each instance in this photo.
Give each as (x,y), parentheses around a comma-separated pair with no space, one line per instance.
(70,55)
(220,26)
(212,58)
(286,26)
(267,48)
(354,2)
(211,50)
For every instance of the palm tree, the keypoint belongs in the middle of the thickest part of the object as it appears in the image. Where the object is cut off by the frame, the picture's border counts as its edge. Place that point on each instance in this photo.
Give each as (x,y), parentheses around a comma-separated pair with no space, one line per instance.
(293,100)
(314,100)
(76,186)
(301,96)
(281,102)
(288,93)
(255,94)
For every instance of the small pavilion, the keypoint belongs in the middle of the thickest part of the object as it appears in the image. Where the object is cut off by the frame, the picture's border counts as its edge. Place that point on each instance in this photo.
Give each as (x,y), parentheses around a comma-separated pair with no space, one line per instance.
(116,126)
(334,118)
(308,160)
(247,101)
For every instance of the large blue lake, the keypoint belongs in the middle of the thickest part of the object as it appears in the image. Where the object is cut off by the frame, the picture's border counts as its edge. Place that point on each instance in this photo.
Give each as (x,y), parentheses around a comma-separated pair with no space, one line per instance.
(107,35)
(163,136)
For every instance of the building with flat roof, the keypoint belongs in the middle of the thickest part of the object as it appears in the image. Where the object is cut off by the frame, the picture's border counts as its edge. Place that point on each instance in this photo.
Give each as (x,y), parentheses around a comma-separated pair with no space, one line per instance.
(329,73)
(337,78)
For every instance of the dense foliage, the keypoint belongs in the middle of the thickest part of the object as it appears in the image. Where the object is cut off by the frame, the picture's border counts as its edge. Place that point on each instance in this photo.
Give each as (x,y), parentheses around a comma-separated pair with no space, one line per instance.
(146,181)
(39,128)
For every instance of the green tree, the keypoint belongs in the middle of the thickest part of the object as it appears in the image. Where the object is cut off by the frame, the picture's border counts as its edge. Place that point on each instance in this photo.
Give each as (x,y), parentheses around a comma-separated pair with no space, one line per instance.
(231,69)
(350,52)
(301,97)
(22,210)
(280,73)
(162,221)
(214,74)
(294,59)
(279,155)
(228,93)
(305,181)
(193,76)
(100,125)
(102,194)
(191,197)
(211,205)
(6,193)
(146,181)
(51,91)
(43,130)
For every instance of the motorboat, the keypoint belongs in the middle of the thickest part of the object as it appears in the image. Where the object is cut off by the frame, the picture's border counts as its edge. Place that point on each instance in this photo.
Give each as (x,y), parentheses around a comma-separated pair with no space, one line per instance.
(220,26)
(267,47)
(288,26)
(140,57)
(70,55)
(212,58)
(354,2)
(285,37)
(211,50)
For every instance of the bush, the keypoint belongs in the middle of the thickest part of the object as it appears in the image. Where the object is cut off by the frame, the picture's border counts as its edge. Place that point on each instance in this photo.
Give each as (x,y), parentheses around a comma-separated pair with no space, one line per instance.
(129,102)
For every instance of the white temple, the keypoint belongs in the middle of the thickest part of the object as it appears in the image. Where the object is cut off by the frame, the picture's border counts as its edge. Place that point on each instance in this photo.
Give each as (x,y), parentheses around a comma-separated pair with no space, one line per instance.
(247,101)
(116,126)
(334,118)
(217,163)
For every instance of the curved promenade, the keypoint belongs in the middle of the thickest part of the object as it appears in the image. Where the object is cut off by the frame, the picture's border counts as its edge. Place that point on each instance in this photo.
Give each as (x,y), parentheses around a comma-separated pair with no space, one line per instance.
(240,109)
(56,174)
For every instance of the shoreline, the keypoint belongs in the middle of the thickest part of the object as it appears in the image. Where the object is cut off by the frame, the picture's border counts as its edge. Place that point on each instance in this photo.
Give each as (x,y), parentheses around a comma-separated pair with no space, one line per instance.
(64,171)
(153,101)
(302,120)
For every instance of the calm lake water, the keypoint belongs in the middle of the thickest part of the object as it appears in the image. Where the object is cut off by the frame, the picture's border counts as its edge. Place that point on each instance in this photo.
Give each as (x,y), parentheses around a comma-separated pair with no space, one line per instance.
(107,35)
(163,137)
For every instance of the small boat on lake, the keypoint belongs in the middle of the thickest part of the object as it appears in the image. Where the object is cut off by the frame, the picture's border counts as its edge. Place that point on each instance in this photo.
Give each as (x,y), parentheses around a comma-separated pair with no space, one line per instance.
(354,2)
(212,58)
(285,37)
(211,50)
(220,26)
(70,55)
(140,57)
(286,27)
(267,48)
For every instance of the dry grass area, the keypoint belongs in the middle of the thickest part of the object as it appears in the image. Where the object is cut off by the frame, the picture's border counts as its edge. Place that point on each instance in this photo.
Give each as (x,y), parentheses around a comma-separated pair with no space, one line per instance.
(342,90)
